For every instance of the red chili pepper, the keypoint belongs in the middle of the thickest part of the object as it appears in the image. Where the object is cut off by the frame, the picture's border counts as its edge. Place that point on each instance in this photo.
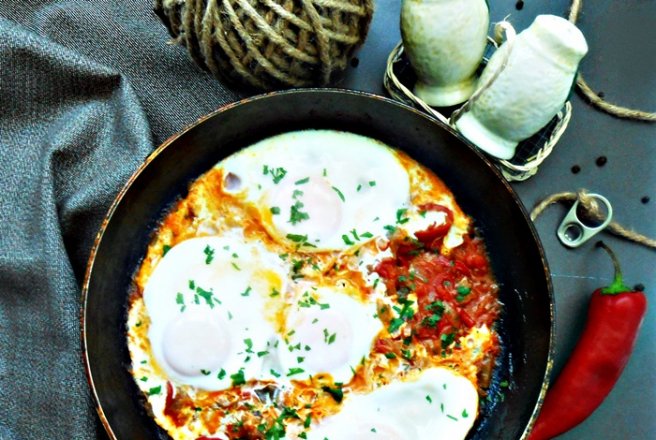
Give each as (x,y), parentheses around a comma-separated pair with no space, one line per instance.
(614,318)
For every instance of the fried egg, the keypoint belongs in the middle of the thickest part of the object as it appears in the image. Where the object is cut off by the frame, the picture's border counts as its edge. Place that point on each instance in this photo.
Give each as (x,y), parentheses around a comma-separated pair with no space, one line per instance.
(322,189)
(207,303)
(438,401)
(329,332)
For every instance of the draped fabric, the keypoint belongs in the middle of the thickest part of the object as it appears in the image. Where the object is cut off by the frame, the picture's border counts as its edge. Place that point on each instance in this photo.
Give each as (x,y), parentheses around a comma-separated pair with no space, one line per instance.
(87,89)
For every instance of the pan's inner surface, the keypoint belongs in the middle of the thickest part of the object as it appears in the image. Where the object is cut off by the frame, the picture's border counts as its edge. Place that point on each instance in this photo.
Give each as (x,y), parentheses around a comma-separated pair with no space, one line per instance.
(517,260)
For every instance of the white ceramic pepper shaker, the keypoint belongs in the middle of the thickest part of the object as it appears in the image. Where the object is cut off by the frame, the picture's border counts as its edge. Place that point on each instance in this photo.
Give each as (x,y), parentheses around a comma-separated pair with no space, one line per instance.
(529,91)
(444,41)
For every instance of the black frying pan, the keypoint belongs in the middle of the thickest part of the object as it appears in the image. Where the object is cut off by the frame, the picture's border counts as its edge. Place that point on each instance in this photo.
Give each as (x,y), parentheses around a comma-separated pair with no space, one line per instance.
(527,326)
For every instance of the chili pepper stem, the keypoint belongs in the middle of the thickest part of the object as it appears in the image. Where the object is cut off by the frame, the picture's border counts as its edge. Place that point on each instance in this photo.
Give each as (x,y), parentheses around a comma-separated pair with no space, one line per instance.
(617,286)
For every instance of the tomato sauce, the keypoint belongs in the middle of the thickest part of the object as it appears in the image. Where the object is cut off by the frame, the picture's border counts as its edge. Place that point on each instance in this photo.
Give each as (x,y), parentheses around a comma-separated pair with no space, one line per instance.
(454,291)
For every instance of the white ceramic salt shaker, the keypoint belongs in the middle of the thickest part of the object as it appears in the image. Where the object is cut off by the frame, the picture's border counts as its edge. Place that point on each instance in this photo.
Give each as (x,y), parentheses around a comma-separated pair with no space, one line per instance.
(444,41)
(529,91)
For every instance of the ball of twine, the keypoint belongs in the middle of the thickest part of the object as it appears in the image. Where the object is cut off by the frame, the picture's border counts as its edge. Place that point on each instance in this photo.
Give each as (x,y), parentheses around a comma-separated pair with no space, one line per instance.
(269,44)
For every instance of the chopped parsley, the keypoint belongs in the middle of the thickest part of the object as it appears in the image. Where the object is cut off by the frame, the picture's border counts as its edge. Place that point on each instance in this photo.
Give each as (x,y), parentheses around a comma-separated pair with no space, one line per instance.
(249,345)
(179,299)
(275,210)
(294,371)
(390,229)
(328,337)
(165,249)
(447,339)
(462,292)
(405,313)
(277,429)
(295,213)
(155,390)
(356,237)
(437,307)
(209,254)
(300,240)
(302,181)
(296,238)
(208,296)
(400,216)
(277,174)
(335,392)
(431,321)
(339,193)
(238,378)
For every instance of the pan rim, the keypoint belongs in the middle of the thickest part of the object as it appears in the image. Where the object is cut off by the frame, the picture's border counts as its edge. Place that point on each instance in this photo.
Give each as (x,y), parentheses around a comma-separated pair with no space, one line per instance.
(310,91)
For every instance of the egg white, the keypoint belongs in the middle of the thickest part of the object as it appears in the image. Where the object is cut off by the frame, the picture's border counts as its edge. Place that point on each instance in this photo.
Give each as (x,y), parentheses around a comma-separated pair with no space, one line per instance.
(335,189)
(438,401)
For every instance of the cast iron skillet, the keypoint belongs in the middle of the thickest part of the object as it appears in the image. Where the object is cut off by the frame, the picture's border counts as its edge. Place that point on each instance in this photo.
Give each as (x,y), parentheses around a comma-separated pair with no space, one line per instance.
(527,326)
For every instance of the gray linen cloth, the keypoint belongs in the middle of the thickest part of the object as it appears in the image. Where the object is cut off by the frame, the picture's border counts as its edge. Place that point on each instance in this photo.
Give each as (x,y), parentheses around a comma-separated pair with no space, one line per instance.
(87,89)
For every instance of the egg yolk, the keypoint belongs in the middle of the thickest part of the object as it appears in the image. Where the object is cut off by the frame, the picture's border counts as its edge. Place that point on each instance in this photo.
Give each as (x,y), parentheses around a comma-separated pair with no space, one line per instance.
(311,208)
(194,342)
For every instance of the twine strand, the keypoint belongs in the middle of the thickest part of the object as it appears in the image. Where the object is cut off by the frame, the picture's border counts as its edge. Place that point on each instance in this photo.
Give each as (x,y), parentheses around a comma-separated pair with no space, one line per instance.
(592,211)
(594,98)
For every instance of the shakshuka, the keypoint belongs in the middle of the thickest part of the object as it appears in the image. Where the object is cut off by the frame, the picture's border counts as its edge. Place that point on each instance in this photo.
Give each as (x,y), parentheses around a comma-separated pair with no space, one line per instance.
(315,285)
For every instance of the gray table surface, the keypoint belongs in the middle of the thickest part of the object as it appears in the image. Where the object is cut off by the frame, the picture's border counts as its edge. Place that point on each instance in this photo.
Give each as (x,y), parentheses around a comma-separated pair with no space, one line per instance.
(621,63)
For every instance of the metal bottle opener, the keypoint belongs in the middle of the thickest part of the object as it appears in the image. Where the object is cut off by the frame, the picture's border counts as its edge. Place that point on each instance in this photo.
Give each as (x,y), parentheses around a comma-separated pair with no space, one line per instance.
(573,231)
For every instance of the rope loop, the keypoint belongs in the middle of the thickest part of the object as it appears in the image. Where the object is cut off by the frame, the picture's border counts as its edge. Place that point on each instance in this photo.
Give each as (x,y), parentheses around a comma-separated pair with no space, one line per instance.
(594,98)
(592,211)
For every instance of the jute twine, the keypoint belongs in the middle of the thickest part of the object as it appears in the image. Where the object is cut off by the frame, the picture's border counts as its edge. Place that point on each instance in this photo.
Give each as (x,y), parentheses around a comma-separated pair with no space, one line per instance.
(269,44)
(592,211)
(594,98)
